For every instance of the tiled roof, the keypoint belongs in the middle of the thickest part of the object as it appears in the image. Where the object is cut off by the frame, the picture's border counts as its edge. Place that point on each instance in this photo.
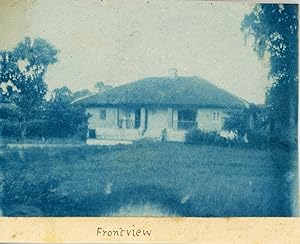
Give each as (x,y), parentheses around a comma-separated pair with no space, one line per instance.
(166,91)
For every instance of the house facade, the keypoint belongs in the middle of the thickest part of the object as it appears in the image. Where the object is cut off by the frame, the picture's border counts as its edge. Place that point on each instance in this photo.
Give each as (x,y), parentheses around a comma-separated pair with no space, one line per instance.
(155,106)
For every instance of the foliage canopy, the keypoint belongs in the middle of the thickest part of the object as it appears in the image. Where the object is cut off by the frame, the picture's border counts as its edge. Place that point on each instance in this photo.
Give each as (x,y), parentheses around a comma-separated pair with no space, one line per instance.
(275,31)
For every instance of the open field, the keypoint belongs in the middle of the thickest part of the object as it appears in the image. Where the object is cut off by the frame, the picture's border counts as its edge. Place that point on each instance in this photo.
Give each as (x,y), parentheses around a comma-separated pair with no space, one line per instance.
(148,179)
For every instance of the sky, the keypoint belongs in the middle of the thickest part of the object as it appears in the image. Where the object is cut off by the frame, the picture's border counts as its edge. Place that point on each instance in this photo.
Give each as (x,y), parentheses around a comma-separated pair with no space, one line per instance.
(120,41)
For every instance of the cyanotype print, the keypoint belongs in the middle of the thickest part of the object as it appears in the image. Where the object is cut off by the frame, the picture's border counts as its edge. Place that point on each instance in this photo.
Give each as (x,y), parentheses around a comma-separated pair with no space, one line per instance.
(148,108)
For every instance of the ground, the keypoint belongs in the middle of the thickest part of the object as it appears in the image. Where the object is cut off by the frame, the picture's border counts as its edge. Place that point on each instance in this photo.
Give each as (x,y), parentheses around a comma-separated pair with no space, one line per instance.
(147,179)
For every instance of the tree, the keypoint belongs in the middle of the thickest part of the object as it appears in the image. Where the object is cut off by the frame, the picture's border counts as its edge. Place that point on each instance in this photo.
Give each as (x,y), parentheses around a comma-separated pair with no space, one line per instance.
(101,87)
(62,94)
(63,118)
(22,77)
(81,93)
(275,31)
(237,122)
(8,74)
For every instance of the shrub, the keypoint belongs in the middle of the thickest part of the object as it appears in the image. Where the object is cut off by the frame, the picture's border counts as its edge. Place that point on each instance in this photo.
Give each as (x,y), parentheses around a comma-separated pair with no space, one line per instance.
(10,129)
(196,136)
(257,139)
(81,131)
(238,122)
(71,123)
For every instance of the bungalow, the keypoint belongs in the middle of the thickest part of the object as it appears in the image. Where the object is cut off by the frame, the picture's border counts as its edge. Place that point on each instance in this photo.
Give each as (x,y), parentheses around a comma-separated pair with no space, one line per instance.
(156,106)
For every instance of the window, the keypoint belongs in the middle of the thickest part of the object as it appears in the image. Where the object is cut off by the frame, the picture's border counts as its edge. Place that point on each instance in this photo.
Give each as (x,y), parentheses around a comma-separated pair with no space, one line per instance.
(186,119)
(103,114)
(216,116)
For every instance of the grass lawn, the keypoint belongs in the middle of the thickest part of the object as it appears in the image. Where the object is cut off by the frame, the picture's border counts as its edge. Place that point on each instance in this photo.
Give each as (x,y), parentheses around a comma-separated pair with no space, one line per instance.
(148,179)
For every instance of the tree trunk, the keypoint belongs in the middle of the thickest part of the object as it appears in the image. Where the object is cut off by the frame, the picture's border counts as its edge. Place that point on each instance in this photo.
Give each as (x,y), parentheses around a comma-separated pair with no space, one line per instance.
(23,128)
(1,133)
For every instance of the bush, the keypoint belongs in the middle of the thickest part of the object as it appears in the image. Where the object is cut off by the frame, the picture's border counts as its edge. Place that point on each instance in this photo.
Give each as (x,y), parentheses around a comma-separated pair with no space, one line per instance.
(10,129)
(237,121)
(255,139)
(81,131)
(258,139)
(37,129)
(196,136)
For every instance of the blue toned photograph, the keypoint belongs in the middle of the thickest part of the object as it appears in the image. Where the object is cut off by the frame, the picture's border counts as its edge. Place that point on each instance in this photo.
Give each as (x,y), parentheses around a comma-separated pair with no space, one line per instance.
(148,108)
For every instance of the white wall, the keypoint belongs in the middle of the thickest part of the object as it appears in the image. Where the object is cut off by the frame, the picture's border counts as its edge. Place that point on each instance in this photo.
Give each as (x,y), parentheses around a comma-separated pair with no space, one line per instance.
(109,122)
(207,123)
(157,120)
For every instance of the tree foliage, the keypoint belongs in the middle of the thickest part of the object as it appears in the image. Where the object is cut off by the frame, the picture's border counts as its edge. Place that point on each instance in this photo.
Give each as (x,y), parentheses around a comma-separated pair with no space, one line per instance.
(275,31)
(81,93)
(22,74)
(237,122)
(65,119)
(101,87)
(61,95)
